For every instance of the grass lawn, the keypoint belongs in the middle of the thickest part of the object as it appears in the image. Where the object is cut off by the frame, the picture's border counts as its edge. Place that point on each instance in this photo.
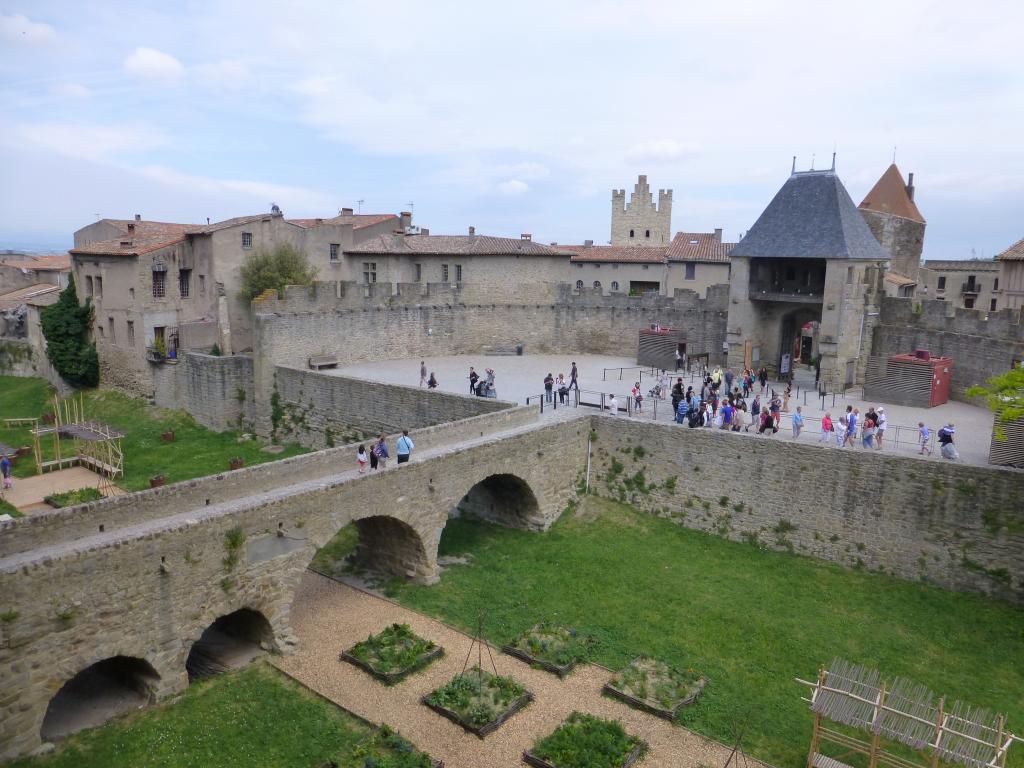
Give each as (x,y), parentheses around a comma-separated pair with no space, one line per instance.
(197,451)
(253,717)
(750,620)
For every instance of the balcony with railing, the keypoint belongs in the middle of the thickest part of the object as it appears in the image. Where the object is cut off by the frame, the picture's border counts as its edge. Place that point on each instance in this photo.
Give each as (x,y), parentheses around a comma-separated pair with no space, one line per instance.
(766,290)
(971,287)
(797,281)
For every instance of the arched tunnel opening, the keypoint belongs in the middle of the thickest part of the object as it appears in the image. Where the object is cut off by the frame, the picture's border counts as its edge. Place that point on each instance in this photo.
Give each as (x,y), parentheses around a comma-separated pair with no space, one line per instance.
(503,499)
(232,641)
(99,692)
(390,547)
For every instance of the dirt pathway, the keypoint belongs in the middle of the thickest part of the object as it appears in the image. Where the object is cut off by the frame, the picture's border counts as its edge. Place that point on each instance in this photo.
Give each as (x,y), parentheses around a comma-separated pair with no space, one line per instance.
(328,616)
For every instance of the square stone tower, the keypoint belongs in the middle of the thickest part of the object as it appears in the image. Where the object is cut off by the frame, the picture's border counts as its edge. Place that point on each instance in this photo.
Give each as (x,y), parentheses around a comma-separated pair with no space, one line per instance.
(895,221)
(641,222)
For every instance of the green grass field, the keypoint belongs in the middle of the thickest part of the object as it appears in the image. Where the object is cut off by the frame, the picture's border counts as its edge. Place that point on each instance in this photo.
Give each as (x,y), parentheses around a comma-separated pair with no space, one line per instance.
(196,451)
(253,717)
(752,620)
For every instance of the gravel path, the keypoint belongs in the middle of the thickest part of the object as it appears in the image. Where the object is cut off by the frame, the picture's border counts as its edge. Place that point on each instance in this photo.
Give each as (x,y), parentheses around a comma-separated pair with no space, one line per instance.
(329,616)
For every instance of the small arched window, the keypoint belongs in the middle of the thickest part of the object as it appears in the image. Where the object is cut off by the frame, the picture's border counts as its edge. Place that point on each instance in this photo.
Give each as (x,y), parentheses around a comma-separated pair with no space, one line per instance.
(579,285)
(597,283)
(615,285)
(647,234)
(631,233)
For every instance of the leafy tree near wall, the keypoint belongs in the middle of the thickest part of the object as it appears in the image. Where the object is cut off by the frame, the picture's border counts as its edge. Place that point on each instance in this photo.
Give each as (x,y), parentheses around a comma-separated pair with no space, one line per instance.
(66,326)
(283,265)
(1004,395)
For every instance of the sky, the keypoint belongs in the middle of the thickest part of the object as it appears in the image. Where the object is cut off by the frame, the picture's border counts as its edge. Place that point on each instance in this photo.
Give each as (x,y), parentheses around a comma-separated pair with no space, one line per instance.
(510,117)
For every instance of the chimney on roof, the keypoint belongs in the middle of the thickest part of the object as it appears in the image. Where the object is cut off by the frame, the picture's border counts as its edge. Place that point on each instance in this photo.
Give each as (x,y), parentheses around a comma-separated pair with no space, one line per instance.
(126,243)
(347,211)
(910,187)
(526,236)
(472,231)
(131,226)
(406,217)
(718,234)
(138,216)
(424,231)
(319,221)
(588,243)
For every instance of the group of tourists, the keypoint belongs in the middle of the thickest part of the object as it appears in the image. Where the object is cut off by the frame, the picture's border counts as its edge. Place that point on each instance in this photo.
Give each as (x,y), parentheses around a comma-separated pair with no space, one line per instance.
(871,428)
(553,384)
(482,386)
(430,382)
(378,454)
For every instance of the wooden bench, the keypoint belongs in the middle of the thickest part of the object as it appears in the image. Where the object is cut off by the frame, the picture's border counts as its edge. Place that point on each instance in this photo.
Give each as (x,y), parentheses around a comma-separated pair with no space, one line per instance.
(316,362)
(20,422)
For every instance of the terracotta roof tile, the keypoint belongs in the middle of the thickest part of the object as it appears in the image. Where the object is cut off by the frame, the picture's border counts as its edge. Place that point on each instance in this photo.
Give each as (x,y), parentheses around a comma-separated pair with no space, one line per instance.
(1014,253)
(454,245)
(144,237)
(699,246)
(57,262)
(897,279)
(889,195)
(24,295)
(357,220)
(633,254)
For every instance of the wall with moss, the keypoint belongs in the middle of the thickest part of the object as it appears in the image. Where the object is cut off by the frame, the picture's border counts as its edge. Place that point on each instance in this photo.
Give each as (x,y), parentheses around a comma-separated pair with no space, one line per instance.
(958,526)
(16,358)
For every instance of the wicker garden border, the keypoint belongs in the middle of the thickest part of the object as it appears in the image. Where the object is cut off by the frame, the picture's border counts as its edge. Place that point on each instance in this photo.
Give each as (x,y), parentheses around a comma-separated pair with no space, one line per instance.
(668,714)
(390,678)
(519,653)
(488,728)
(539,762)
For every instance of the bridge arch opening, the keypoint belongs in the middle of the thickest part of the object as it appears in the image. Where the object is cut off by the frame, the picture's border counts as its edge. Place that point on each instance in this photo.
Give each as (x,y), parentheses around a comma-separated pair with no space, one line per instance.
(390,546)
(232,641)
(99,692)
(503,498)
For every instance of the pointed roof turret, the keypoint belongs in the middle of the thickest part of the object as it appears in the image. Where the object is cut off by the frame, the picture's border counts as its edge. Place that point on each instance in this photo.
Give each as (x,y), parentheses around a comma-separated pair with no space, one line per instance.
(811,217)
(891,195)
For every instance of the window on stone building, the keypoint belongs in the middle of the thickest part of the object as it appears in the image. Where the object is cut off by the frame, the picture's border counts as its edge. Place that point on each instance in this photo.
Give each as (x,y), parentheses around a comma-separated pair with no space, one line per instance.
(631,233)
(995,284)
(597,283)
(99,287)
(131,294)
(458,273)
(110,330)
(615,285)
(202,285)
(184,282)
(131,333)
(418,268)
(159,287)
(942,283)
(444,273)
(849,275)
(247,239)
(647,233)
(969,302)
(992,306)
(335,248)
(369,272)
(579,285)
(691,272)
(88,285)
(647,266)
(100,329)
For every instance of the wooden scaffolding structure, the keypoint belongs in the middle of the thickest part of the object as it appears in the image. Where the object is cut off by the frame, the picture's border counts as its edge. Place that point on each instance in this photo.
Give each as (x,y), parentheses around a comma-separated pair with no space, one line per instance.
(904,712)
(97,446)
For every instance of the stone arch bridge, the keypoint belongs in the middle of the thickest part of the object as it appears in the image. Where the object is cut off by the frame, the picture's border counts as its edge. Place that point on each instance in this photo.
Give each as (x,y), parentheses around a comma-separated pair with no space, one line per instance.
(121,590)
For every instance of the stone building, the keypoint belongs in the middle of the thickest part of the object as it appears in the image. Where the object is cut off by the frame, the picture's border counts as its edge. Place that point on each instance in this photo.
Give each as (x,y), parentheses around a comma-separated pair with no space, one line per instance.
(809,261)
(1010,288)
(967,283)
(696,261)
(898,225)
(633,270)
(641,222)
(21,270)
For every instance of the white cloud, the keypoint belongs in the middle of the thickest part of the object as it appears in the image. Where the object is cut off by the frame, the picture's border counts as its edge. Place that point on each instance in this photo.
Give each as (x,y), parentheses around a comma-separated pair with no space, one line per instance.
(151,64)
(16,28)
(89,141)
(659,151)
(75,91)
(513,187)
(226,74)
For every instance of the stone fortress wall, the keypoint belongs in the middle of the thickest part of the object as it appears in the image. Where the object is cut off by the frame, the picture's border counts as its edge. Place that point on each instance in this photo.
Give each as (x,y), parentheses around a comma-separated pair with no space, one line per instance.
(981,348)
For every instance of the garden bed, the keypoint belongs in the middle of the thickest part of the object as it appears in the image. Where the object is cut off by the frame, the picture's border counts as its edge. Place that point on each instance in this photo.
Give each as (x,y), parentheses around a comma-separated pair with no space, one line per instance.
(478,701)
(71,498)
(549,646)
(585,741)
(388,749)
(392,654)
(655,687)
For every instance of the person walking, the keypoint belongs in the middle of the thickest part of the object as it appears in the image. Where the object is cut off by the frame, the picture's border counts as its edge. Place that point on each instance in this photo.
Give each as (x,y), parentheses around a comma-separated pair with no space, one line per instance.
(380,454)
(826,428)
(638,398)
(797,419)
(924,437)
(663,385)
(423,373)
(881,420)
(613,406)
(677,394)
(728,379)
(474,377)
(562,389)
(573,376)
(763,378)
(755,412)
(851,425)
(679,359)
(549,388)
(948,450)
(867,432)
(403,448)
(5,470)
(361,459)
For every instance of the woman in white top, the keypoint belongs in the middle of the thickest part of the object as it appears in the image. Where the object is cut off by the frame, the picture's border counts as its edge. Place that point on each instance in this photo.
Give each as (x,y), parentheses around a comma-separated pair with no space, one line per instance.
(881,422)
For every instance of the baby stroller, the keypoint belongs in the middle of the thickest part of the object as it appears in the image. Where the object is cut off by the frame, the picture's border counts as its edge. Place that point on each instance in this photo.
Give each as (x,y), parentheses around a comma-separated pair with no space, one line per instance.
(654,391)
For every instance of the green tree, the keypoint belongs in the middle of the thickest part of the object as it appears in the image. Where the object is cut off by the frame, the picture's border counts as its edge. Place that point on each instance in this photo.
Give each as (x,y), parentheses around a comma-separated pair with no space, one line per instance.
(284,265)
(1004,395)
(66,325)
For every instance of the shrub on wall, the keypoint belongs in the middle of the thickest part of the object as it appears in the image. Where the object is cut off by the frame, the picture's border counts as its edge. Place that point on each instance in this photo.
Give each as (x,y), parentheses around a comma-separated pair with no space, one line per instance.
(274,269)
(66,326)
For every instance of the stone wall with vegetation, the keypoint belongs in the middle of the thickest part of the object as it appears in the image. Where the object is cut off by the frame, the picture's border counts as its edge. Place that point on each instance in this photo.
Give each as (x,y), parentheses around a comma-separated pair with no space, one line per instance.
(957,526)
(16,358)
(216,390)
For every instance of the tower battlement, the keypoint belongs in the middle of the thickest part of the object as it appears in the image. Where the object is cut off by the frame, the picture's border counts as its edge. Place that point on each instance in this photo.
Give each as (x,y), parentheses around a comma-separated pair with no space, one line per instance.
(641,221)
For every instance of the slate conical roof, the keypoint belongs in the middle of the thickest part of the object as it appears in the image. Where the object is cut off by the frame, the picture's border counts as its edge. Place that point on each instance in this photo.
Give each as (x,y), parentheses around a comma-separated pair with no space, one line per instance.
(811,217)
(889,195)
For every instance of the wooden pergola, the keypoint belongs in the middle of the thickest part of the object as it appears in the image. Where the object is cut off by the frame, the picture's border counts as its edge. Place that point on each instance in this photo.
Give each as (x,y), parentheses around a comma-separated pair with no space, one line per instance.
(904,712)
(96,445)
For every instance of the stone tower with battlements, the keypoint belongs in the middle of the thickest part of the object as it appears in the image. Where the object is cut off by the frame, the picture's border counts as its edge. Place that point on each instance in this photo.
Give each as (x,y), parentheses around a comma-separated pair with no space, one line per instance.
(641,222)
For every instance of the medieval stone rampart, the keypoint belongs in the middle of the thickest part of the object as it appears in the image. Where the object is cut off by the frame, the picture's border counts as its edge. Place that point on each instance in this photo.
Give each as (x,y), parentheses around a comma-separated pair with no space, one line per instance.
(981,348)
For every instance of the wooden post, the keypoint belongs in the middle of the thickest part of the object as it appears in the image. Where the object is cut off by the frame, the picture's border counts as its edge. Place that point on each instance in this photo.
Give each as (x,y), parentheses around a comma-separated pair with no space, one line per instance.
(940,719)
(876,727)
(816,732)
(1000,758)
